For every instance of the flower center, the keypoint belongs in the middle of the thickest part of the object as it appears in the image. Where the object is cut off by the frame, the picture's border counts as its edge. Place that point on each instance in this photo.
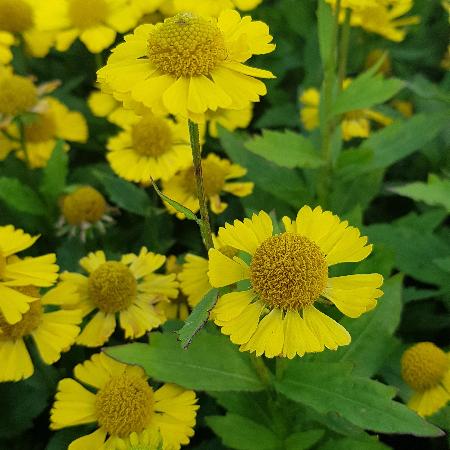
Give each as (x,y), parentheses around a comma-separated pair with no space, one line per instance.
(112,287)
(87,13)
(288,271)
(42,129)
(85,204)
(151,136)
(17,95)
(186,46)
(213,178)
(15,16)
(424,366)
(124,405)
(30,320)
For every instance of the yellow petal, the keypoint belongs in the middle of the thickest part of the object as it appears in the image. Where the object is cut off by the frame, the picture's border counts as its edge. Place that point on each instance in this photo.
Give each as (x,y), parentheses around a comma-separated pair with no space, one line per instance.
(430,401)
(93,261)
(38,271)
(224,271)
(229,306)
(13,304)
(93,441)
(15,360)
(14,240)
(97,38)
(98,330)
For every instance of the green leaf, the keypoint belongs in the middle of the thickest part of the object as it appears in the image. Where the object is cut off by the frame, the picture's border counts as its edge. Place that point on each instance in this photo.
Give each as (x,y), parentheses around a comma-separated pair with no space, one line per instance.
(284,184)
(402,138)
(286,149)
(303,440)
(55,173)
(243,434)
(365,403)
(371,333)
(178,206)
(365,91)
(367,443)
(20,197)
(325,27)
(211,363)
(124,194)
(198,318)
(435,193)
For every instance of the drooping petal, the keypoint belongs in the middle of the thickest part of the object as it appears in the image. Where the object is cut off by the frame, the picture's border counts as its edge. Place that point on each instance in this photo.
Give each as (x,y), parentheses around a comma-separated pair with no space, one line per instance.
(15,360)
(229,306)
(93,441)
(98,330)
(428,402)
(224,271)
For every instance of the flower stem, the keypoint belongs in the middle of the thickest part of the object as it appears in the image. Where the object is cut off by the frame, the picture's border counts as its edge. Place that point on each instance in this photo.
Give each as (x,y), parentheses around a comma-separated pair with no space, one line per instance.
(22,139)
(205,227)
(328,123)
(343,48)
(264,374)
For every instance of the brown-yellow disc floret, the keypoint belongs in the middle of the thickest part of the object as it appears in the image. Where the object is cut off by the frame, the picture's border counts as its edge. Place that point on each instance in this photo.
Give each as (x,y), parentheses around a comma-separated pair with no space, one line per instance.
(186,46)
(124,405)
(151,136)
(30,320)
(288,271)
(112,287)
(87,13)
(17,95)
(85,204)
(16,16)
(424,366)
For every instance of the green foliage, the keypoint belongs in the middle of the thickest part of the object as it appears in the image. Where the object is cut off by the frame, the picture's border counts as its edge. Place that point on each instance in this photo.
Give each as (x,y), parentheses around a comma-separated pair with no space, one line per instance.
(20,197)
(54,175)
(211,363)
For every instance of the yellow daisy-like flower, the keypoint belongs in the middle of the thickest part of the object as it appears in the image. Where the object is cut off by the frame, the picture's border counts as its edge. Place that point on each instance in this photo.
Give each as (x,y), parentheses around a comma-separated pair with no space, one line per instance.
(190,64)
(38,271)
(211,8)
(149,147)
(128,288)
(230,119)
(83,209)
(216,175)
(355,124)
(426,369)
(53,332)
(95,22)
(288,274)
(122,403)
(178,307)
(147,440)
(53,121)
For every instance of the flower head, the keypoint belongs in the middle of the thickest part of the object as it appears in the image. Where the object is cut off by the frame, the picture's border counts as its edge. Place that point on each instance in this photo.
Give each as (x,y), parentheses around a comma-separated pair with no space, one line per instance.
(216,175)
(426,369)
(355,124)
(277,314)
(53,331)
(190,64)
(149,147)
(128,288)
(40,271)
(18,94)
(124,406)
(95,22)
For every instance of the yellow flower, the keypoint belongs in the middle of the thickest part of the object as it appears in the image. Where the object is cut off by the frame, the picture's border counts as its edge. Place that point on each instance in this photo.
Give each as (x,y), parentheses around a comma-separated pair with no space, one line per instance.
(355,124)
(38,271)
(149,439)
(149,147)
(52,121)
(128,288)
(287,276)
(176,308)
(190,64)
(95,22)
(230,119)
(216,175)
(53,331)
(83,209)
(426,369)
(103,104)
(211,8)
(122,404)
(6,41)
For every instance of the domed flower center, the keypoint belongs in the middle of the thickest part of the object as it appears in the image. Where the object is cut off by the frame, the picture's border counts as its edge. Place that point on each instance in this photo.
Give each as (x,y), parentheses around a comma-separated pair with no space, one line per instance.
(288,271)
(15,16)
(87,13)
(151,136)
(424,366)
(42,129)
(85,204)
(124,405)
(112,287)
(213,179)
(30,320)
(186,46)
(17,95)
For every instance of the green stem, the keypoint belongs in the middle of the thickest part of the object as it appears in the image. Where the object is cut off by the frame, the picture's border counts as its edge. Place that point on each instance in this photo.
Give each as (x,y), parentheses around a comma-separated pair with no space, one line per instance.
(328,123)
(264,374)
(280,367)
(23,143)
(197,160)
(343,48)
(99,60)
